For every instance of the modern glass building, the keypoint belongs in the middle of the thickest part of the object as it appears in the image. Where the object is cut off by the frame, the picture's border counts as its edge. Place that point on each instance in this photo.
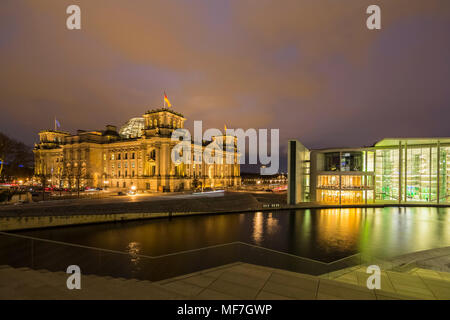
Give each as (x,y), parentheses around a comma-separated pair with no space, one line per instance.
(404,170)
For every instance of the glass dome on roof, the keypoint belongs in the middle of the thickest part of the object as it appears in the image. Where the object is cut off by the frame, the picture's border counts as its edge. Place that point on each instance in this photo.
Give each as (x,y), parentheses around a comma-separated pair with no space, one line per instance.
(132,128)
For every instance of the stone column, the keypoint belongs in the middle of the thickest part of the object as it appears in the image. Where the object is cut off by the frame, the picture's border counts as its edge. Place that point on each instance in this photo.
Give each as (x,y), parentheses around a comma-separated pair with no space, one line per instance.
(172,164)
(164,164)
(157,160)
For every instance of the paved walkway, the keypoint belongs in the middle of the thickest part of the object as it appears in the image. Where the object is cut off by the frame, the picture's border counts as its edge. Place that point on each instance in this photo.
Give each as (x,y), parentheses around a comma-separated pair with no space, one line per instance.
(232,281)
(247,281)
(422,274)
(437,259)
(417,282)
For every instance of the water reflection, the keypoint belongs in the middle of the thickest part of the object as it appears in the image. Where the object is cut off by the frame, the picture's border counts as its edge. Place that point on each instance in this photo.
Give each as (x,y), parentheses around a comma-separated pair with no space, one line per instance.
(339,229)
(134,249)
(264,223)
(324,235)
(272,224)
(258,227)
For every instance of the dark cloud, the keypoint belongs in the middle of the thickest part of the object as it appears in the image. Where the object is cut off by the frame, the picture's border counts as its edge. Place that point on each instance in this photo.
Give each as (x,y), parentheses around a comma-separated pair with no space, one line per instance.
(310,68)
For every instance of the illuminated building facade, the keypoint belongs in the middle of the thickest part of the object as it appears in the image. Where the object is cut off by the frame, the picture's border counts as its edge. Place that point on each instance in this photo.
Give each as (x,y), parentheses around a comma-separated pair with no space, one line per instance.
(412,170)
(138,155)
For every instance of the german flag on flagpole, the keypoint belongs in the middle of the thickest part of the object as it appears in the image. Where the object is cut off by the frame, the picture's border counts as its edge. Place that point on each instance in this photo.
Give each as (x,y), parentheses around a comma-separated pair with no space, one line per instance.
(166,101)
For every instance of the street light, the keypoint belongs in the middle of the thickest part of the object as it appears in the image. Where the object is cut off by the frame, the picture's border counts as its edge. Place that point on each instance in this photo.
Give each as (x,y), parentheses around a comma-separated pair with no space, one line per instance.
(132,191)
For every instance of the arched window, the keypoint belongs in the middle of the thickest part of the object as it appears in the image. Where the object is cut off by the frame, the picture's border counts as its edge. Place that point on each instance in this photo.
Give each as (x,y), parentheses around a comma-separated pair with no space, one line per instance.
(152,155)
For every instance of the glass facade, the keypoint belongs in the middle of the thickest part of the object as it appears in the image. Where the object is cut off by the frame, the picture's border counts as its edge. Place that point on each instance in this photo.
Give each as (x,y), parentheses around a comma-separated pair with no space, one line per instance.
(347,178)
(413,173)
(345,161)
(444,172)
(332,161)
(133,128)
(328,196)
(387,173)
(352,182)
(328,181)
(412,170)
(419,178)
(352,161)
(346,197)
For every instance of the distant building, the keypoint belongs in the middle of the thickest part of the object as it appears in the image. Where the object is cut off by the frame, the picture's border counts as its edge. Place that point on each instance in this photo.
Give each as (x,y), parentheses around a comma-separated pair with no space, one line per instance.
(138,155)
(403,170)
(256,179)
(133,128)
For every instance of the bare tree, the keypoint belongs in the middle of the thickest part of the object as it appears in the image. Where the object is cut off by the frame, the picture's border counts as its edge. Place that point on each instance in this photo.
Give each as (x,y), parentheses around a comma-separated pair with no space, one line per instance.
(76,173)
(5,149)
(16,159)
(43,177)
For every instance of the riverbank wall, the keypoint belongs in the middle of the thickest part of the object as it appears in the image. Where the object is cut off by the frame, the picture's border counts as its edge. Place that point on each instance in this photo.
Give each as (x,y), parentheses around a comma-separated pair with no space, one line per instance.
(33,217)
(67,214)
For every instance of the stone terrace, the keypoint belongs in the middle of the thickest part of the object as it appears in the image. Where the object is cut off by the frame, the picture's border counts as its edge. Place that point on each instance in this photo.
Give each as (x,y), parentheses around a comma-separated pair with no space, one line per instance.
(234,281)
(148,204)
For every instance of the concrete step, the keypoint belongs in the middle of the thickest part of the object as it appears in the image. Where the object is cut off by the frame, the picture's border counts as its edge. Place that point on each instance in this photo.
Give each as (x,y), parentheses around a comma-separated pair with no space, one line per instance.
(416,283)
(25,283)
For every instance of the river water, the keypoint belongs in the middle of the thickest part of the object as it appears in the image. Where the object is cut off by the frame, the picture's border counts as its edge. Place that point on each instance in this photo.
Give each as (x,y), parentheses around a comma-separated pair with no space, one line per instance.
(325,235)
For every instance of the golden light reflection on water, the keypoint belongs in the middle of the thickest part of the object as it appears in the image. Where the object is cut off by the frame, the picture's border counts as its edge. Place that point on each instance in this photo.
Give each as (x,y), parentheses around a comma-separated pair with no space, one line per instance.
(325,234)
(134,249)
(382,231)
(272,224)
(339,228)
(258,221)
(264,225)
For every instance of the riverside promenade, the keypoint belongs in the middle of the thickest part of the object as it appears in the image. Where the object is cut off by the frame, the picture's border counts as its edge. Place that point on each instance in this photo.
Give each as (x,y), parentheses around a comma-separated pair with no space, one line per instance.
(234,281)
(121,208)
(56,213)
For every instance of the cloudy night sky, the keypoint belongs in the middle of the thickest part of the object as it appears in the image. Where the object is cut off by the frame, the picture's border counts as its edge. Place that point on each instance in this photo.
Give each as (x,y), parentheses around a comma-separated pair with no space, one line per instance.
(308,67)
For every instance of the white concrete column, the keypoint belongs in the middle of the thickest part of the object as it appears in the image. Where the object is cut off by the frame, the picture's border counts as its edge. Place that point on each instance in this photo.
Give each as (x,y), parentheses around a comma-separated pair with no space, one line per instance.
(157,161)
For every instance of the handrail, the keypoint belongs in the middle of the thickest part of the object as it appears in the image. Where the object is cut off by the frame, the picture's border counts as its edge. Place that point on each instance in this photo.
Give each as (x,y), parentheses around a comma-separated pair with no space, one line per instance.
(174,253)
(108,250)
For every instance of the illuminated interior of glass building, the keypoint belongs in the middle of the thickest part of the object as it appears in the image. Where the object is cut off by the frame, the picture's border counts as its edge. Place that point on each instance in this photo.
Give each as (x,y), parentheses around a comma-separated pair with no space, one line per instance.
(391,171)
